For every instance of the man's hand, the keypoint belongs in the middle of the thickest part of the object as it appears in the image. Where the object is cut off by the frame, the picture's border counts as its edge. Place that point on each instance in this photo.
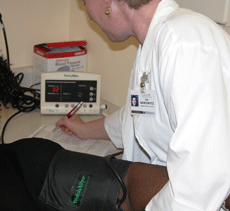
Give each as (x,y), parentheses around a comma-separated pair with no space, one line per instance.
(90,130)
(73,125)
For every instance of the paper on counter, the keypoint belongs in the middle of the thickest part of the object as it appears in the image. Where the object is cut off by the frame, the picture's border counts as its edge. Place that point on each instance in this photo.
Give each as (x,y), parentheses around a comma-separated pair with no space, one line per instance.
(73,143)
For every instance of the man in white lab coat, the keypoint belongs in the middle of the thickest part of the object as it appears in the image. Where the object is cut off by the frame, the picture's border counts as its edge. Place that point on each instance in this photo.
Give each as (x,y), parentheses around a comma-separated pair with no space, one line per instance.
(182,77)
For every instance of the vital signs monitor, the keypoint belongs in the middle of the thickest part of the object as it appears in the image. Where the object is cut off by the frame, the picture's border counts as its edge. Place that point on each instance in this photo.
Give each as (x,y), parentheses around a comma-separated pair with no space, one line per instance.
(61,91)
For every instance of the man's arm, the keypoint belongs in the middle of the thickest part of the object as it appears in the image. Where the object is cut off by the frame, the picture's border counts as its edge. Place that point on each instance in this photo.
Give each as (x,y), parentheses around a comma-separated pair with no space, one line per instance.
(228,202)
(143,182)
(90,130)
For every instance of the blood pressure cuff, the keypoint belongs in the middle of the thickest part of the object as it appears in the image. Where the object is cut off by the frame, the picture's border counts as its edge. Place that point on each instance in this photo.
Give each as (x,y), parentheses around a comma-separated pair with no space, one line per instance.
(82,182)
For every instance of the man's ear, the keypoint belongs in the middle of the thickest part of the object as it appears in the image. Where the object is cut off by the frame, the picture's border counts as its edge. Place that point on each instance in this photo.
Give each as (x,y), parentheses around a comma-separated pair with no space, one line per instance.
(108,2)
(108,8)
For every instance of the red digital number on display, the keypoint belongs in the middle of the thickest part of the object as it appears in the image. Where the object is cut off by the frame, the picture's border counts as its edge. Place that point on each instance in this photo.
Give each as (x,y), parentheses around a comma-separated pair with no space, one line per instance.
(55,89)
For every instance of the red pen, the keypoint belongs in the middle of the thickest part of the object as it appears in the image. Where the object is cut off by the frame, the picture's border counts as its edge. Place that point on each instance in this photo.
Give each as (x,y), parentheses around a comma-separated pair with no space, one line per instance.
(75,109)
(72,112)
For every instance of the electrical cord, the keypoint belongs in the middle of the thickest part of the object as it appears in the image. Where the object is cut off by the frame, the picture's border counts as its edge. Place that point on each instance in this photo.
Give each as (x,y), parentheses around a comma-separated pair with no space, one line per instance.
(6,43)
(21,98)
(104,110)
(4,128)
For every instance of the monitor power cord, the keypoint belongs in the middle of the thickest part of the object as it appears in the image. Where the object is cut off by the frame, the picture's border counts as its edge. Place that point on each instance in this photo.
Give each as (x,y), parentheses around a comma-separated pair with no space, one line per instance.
(11,93)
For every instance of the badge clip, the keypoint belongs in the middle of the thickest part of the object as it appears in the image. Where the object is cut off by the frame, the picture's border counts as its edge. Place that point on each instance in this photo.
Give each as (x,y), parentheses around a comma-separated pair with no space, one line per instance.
(144,79)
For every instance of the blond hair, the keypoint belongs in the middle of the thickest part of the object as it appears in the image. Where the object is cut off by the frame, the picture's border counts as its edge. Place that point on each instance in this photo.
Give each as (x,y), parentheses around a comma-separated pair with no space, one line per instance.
(135,3)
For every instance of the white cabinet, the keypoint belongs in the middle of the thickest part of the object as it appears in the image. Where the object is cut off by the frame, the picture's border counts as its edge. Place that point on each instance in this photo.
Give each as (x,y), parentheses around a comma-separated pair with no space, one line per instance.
(217,10)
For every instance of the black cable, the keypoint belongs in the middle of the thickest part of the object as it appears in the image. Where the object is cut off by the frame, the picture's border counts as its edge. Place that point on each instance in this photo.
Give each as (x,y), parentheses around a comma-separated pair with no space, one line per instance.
(21,98)
(119,202)
(6,43)
(35,85)
(4,128)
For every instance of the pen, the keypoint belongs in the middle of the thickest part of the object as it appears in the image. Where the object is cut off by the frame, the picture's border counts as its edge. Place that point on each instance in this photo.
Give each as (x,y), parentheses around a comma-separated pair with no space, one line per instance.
(72,112)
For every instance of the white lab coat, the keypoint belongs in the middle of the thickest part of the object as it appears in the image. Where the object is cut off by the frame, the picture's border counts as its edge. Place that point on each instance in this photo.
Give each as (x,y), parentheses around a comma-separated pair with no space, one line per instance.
(187,59)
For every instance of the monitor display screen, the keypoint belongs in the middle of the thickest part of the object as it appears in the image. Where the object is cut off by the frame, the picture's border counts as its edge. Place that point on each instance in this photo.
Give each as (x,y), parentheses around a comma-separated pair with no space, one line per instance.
(70,91)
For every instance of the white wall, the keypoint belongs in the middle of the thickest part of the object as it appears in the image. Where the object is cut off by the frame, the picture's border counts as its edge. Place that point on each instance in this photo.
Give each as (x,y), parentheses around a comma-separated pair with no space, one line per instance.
(30,22)
(113,61)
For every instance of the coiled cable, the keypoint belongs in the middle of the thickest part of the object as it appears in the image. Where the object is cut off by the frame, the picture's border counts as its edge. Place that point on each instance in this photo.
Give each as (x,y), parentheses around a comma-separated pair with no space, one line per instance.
(21,98)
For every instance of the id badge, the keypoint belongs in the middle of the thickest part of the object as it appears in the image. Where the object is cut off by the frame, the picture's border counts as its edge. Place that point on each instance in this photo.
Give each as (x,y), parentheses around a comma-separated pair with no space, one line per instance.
(143,103)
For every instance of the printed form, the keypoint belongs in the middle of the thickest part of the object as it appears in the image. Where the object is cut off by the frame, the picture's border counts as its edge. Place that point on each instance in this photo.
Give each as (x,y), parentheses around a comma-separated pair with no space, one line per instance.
(73,143)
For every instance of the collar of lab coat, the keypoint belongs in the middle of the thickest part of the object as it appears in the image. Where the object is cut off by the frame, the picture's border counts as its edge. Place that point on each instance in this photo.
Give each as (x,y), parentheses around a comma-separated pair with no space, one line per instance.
(164,9)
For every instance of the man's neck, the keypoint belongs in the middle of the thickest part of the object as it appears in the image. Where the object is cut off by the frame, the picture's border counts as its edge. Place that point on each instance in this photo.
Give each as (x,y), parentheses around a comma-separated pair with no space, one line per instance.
(141,19)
